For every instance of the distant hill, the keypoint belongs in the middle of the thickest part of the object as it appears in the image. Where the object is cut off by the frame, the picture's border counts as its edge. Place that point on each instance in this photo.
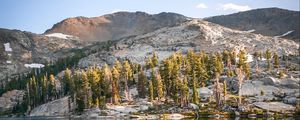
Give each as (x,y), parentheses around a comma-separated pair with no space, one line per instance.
(266,21)
(116,25)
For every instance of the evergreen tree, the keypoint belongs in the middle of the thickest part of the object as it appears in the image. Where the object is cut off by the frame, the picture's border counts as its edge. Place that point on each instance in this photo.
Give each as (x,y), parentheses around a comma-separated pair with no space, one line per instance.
(86,89)
(195,94)
(225,90)
(154,59)
(184,92)
(242,59)
(127,73)
(67,81)
(44,89)
(233,56)
(141,85)
(94,78)
(52,87)
(268,57)
(159,87)
(200,71)
(115,89)
(150,90)
(276,60)
(226,58)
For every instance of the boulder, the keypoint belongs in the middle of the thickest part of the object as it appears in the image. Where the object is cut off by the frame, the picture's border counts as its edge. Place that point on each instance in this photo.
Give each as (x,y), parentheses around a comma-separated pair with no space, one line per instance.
(290,100)
(193,106)
(270,81)
(274,106)
(10,99)
(57,107)
(205,92)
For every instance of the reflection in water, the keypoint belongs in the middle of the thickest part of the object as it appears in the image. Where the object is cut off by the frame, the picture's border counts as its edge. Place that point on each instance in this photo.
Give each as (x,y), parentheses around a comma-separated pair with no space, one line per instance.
(105,117)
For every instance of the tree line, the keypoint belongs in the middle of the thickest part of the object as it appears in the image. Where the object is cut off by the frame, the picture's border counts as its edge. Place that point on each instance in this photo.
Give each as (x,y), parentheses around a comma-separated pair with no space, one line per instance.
(169,81)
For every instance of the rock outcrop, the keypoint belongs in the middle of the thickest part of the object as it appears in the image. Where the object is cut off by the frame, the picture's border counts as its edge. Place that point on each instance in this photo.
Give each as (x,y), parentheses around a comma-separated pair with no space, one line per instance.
(10,99)
(57,107)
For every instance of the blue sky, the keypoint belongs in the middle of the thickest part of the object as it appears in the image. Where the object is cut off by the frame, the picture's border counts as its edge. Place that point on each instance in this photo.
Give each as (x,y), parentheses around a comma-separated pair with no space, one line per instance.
(38,15)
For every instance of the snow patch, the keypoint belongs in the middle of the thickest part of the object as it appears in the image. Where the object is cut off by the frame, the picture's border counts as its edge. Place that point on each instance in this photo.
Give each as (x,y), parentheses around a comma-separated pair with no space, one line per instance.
(7,47)
(249,58)
(285,34)
(250,31)
(34,65)
(60,35)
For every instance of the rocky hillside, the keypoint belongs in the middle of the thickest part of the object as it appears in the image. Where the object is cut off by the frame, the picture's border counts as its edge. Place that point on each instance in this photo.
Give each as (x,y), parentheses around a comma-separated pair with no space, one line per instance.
(195,34)
(19,50)
(266,21)
(116,25)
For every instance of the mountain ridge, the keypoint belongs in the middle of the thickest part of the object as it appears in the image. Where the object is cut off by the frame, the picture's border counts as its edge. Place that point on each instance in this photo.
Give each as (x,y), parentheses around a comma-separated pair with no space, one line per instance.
(266,21)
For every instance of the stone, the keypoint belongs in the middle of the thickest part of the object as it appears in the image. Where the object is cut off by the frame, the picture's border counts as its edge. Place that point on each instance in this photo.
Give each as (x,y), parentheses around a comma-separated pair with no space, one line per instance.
(270,80)
(290,100)
(193,106)
(57,107)
(274,106)
(10,99)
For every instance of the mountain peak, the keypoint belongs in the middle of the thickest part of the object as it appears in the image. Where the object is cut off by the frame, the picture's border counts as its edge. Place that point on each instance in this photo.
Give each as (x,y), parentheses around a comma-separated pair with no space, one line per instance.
(116,25)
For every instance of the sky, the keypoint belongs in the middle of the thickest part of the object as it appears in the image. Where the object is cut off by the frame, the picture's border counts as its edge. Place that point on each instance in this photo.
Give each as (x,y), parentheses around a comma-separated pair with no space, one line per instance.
(39,15)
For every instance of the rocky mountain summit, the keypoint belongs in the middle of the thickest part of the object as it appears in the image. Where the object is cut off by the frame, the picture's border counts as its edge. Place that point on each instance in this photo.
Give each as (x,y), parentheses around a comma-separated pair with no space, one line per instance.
(116,25)
(265,21)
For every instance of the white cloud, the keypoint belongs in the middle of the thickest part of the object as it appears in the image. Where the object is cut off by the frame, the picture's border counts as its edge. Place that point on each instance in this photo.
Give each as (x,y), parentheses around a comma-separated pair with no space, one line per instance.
(231,6)
(201,5)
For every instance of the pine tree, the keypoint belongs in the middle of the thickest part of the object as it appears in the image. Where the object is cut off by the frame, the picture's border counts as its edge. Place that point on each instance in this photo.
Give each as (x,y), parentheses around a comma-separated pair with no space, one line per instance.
(150,90)
(276,60)
(200,71)
(268,57)
(246,69)
(67,81)
(94,78)
(195,94)
(127,73)
(159,87)
(141,85)
(166,75)
(243,65)
(184,92)
(86,89)
(52,87)
(44,89)
(154,59)
(115,86)
(233,56)
(225,90)
(226,58)
(242,59)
